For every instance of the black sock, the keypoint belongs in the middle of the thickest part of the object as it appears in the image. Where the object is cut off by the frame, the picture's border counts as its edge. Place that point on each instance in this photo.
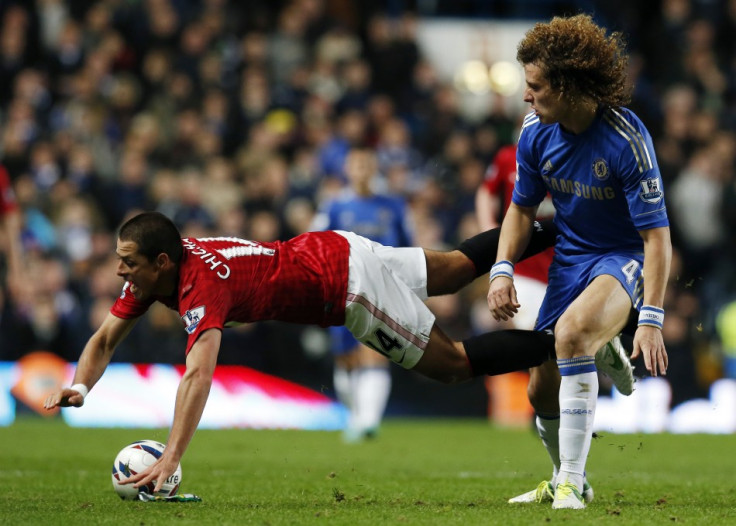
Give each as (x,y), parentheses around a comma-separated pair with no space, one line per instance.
(505,351)
(481,249)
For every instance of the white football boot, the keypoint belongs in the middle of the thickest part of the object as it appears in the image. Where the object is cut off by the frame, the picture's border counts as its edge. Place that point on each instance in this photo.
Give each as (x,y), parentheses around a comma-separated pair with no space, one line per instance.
(613,360)
(567,497)
(545,492)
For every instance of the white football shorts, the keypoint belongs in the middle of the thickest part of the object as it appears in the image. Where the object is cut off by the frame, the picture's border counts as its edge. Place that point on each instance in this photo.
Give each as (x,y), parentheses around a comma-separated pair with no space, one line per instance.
(385,307)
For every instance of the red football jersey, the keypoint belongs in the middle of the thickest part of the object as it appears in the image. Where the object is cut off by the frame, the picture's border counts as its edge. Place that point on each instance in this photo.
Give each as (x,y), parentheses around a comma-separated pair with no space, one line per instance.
(7,196)
(499,181)
(226,281)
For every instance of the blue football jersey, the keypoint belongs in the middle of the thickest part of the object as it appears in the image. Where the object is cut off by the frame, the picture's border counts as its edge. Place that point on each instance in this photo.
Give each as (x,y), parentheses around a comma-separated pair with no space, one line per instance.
(605,182)
(380,218)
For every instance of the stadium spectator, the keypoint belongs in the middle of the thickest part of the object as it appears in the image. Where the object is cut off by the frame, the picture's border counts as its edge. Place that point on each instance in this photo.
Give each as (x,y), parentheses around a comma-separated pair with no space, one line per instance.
(15,295)
(362,378)
(10,240)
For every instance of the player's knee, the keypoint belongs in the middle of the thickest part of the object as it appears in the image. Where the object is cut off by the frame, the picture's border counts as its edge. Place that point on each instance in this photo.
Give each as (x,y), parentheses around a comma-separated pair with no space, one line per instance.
(451,373)
(571,340)
(460,372)
(451,377)
(462,268)
(449,367)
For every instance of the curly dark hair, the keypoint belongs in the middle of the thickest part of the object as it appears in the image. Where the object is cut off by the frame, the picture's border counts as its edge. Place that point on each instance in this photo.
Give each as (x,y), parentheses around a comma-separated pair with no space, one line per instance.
(579,59)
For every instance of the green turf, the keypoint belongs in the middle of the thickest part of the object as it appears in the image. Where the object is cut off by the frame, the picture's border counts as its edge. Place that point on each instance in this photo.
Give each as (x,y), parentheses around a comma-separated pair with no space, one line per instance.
(417,472)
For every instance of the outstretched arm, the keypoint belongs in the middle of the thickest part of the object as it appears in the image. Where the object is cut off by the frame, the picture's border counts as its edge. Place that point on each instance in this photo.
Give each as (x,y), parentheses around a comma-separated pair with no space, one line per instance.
(93,361)
(191,397)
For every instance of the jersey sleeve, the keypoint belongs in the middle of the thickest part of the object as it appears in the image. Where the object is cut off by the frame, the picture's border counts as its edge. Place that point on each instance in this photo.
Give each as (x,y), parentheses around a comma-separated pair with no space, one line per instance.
(641,179)
(529,189)
(127,307)
(205,308)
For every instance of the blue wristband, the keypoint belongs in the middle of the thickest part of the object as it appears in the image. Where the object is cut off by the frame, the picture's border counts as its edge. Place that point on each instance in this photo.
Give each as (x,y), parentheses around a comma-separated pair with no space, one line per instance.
(651,316)
(502,268)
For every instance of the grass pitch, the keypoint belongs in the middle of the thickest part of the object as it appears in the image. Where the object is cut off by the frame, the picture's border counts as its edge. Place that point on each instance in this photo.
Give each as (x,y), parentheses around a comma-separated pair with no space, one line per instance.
(417,472)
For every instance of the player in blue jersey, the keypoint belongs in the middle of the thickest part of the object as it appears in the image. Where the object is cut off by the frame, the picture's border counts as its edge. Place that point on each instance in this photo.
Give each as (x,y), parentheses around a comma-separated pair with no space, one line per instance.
(362,377)
(613,250)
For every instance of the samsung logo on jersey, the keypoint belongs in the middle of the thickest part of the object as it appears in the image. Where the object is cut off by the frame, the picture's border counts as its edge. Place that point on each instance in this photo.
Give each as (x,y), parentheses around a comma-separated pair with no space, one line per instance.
(579,189)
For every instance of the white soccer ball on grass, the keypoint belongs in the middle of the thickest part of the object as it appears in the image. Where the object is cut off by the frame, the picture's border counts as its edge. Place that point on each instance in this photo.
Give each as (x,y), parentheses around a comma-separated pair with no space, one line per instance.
(135,458)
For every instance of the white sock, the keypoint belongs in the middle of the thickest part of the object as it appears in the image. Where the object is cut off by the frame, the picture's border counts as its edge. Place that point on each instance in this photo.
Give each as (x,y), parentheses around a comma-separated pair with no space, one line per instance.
(548,428)
(371,388)
(578,397)
(341,382)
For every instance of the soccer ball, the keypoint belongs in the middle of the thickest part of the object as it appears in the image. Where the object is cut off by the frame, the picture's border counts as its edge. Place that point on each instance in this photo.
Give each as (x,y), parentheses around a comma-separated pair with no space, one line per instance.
(135,458)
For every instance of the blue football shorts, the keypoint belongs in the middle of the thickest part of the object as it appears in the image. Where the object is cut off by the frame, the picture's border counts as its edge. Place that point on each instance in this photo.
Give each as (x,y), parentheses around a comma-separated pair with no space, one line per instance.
(567,280)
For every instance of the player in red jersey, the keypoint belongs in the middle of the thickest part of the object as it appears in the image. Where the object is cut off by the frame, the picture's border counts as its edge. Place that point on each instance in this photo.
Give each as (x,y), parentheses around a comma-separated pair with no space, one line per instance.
(10,228)
(325,278)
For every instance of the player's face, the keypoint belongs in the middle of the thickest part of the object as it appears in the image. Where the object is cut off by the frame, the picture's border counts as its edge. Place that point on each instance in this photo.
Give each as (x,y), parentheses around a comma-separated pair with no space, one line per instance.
(547,103)
(360,167)
(141,274)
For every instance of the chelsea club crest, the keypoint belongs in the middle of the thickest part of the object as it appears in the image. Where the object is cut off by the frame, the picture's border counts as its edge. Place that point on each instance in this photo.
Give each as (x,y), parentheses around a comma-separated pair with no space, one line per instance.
(600,169)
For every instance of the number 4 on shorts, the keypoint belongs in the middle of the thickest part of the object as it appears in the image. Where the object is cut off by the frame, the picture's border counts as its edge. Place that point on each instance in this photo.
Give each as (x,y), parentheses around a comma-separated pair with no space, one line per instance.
(386,342)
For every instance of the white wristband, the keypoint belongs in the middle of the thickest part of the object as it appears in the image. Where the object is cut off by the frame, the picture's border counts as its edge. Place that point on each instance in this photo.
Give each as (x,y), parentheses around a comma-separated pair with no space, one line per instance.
(651,316)
(502,268)
(81,389)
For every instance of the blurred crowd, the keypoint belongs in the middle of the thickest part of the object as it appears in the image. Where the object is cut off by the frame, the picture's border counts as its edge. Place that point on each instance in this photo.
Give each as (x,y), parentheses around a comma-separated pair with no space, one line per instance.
(234,118)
